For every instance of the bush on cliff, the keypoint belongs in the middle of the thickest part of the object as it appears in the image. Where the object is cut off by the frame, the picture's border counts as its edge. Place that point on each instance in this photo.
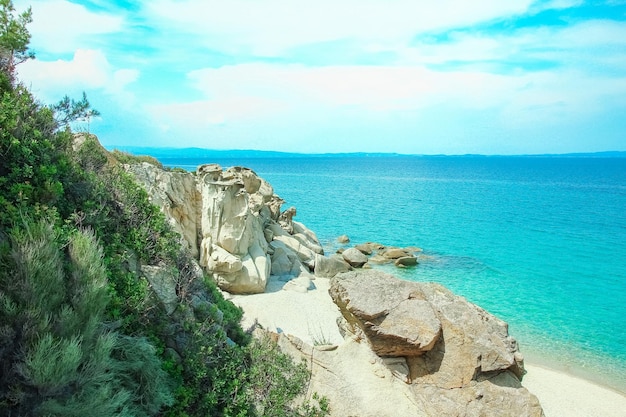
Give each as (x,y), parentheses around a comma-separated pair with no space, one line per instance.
(81,332)
(58,354)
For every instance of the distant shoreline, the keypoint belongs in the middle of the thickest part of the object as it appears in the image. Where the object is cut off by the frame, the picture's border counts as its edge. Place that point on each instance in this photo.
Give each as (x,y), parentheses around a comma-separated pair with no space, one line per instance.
(168,152)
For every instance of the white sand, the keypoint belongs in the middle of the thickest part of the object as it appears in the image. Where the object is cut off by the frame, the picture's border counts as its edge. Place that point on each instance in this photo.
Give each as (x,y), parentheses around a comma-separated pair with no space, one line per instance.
(561,394)
(312,317)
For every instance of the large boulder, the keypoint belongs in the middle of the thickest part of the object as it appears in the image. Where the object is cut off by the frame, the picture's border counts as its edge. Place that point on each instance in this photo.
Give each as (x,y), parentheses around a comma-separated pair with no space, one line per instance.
(395,321)
(357,382)
(354,257)
(307,237)
(329,266)
(470,344)
(285,262)
(298,246)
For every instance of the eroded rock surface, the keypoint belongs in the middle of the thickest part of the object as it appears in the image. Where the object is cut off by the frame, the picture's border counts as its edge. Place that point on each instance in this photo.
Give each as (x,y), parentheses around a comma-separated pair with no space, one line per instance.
(357,382)
(448,341)
(231,222)
(178,197)
(458,359)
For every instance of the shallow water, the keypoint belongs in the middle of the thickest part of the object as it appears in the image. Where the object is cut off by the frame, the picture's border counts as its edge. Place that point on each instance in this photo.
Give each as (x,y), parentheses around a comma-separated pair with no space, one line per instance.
(538,241)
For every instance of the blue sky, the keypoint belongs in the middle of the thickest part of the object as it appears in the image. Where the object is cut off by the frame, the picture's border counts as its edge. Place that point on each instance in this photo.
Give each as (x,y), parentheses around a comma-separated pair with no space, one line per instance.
(408,76)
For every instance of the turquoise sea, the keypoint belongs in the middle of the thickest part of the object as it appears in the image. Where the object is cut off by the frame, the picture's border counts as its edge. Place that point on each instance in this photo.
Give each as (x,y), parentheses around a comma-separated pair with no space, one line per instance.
(538,241)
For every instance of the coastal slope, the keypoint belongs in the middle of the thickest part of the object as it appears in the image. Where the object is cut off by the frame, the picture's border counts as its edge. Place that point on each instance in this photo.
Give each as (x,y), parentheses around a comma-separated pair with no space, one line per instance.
(429,351)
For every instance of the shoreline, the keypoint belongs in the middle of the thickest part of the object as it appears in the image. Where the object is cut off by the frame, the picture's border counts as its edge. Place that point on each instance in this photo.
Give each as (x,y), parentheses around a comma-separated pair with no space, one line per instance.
(312,318)
(563,394)
(593,376)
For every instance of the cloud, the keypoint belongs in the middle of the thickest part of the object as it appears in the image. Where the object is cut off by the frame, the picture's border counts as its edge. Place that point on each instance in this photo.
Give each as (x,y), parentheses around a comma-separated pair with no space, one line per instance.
(588,46)
(280,72)
(61,26)
(540,6)
(379,88)
(272,27)
(88,70)
(245,101)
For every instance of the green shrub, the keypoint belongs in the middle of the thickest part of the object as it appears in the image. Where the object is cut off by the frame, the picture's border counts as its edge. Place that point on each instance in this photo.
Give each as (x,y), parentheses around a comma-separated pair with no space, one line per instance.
(34,162)
(80,330)
(62,360)
(128,158)
(276,383)
(91,155)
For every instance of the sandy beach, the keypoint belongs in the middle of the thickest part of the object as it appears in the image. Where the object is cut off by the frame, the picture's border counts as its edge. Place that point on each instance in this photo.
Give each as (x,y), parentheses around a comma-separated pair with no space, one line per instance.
(561,394)
(312,316)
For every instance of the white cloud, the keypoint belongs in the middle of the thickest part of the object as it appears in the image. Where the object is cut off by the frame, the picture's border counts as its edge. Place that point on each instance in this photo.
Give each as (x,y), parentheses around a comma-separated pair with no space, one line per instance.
(60,26)
(251,100)
(369,87)
(271,27)
(592,33)
(540,6)
(88,70)
(586,46)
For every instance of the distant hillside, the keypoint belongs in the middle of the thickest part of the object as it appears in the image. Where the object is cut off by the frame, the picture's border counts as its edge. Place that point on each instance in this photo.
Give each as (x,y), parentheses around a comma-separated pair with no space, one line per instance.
(250,154)
(232,153)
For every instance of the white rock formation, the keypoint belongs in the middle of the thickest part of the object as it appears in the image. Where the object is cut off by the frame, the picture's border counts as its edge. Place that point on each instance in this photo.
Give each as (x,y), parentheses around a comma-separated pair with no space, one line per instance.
(231,222)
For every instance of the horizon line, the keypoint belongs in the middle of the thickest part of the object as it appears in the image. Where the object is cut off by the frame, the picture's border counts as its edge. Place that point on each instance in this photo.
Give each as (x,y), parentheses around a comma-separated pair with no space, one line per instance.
(133,149)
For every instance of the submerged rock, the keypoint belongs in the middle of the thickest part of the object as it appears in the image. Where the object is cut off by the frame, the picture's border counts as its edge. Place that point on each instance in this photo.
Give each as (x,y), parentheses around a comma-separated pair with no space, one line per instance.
(406,261)
(343,239)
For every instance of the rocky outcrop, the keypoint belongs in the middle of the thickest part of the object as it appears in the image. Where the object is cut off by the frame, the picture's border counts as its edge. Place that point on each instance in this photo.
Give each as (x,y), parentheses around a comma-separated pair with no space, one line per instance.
(232,223)
(357,382)
(454,358)
(409,349)
(230,220)
(447,341)
(178,197)
(365,254)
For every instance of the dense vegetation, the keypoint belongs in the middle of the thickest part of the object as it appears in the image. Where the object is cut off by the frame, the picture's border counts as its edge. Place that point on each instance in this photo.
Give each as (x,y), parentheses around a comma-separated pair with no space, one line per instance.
(81,331)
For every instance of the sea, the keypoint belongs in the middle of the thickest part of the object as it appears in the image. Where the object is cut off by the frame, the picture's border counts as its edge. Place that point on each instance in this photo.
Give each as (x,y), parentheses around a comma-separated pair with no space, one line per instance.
(539,241)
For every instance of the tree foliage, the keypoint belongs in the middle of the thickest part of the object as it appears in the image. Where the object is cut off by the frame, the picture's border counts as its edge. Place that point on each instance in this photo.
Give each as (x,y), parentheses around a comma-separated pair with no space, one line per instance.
(58,357)
(69,110)
(14,38)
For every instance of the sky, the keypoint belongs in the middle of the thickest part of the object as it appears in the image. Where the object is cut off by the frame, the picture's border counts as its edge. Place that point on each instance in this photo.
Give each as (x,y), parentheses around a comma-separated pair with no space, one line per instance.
(402,76)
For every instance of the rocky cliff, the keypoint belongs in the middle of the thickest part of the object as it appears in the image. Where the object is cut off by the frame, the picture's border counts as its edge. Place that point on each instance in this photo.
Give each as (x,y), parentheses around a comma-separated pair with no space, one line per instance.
(408,349)
(231,221)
